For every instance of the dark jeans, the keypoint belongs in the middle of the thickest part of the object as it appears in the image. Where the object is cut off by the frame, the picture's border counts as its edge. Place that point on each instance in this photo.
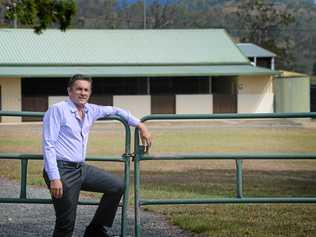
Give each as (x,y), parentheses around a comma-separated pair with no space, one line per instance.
(87,178)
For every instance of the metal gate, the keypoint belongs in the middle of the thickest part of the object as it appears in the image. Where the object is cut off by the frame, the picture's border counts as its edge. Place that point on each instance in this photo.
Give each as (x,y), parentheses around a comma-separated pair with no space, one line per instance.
(24,158)
(141,156)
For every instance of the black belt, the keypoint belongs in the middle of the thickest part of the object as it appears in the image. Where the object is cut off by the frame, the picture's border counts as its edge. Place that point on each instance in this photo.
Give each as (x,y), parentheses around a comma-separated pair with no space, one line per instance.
(64,163)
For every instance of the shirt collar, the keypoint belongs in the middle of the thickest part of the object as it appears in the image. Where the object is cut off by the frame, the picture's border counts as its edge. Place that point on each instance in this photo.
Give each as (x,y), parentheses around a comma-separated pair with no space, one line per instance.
(73,107)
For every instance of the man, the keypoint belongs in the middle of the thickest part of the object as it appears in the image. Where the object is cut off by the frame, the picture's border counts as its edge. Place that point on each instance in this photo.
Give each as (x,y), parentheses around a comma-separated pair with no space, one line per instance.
(66,127)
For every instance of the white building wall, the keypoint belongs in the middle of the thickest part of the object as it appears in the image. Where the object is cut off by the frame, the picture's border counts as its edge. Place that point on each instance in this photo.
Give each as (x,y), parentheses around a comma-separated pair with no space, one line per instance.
(250,103)
(138,105)
(255,95)
(11,97)
(194,104)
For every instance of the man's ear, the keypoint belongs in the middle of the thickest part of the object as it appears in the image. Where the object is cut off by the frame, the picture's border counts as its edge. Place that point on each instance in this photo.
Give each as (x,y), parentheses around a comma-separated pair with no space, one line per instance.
(68,90)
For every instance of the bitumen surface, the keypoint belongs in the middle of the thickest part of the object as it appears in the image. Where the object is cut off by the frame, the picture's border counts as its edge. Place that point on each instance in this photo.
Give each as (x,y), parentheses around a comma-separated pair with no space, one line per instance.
(37,220)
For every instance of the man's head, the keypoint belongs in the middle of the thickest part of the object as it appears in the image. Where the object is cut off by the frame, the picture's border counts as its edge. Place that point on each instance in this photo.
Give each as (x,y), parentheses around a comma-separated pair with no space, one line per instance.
(79,89)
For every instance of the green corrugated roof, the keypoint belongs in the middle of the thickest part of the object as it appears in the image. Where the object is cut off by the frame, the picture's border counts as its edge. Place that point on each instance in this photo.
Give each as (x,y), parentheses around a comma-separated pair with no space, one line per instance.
(135,71)
(118,47)
(121,53)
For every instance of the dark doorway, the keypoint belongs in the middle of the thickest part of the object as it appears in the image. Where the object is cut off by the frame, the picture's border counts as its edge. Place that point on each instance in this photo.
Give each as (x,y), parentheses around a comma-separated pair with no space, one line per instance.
(163,104)
(313,98)
(224,90)
(106,100)
(37,103)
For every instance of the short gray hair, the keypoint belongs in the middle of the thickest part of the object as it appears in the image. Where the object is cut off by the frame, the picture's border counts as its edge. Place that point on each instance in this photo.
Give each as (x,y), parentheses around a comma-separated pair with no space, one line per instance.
(78,77)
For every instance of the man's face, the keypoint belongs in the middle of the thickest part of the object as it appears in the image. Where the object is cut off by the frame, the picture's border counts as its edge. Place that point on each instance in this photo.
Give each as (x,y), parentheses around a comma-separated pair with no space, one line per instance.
(80,92)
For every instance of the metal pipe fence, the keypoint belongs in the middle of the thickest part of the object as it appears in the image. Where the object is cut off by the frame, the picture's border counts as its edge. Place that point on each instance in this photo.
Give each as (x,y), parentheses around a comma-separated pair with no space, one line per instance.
(141,156)
(24,158)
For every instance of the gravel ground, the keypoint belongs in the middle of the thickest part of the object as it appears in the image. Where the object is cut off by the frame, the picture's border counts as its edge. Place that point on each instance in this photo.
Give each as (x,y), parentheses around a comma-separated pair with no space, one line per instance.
(31,220)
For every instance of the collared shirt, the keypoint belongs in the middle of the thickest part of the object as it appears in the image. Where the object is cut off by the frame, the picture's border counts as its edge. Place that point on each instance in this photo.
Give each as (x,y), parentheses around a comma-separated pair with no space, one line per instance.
(65,134)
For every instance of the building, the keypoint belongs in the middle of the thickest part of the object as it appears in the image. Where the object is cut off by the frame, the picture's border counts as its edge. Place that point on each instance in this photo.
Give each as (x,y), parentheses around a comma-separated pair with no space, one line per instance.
(258,55)
(145,71)
(292,91)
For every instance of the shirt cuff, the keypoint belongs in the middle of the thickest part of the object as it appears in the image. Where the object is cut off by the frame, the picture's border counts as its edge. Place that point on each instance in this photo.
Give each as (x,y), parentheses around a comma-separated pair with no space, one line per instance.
(52,175)
(134,122)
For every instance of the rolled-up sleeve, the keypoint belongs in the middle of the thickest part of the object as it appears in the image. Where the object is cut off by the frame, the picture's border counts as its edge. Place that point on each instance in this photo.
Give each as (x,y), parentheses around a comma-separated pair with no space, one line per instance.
(106,111)
(51,127)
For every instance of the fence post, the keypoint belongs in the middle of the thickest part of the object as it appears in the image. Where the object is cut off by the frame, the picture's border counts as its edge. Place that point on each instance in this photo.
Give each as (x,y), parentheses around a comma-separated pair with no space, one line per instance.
(137,185)
(24,163)
(125,196)
(239,179)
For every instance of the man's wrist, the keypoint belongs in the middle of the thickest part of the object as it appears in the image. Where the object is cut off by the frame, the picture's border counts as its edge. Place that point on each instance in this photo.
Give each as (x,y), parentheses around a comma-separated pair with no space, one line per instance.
(53,175)
(141,126)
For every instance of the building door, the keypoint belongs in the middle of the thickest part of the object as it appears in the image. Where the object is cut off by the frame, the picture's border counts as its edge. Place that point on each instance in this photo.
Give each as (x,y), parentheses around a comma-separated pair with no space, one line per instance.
(106,100)
(224,90)
(163,104)
(162,95)
(38,103)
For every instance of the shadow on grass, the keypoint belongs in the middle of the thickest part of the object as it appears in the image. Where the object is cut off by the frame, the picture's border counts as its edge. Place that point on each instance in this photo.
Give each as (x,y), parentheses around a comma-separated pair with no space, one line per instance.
(235,220)
(203,182)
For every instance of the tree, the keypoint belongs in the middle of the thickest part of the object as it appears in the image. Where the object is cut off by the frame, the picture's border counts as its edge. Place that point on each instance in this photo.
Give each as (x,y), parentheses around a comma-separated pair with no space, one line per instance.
(110,18)
(165,14)
(263,23)
(131,15)
(39,14)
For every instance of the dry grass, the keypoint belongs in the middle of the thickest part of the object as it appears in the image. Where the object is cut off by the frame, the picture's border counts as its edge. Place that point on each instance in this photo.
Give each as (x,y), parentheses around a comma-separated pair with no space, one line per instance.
(203,179)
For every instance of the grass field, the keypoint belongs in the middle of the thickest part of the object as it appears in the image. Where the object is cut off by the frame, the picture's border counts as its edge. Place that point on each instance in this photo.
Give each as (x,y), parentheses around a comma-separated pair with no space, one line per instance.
(204,179)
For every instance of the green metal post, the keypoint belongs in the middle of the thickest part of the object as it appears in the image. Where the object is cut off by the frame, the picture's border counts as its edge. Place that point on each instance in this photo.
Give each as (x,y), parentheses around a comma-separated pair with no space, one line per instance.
(125,197)
(126,158)
(239,180)
(137,185)
(24,163)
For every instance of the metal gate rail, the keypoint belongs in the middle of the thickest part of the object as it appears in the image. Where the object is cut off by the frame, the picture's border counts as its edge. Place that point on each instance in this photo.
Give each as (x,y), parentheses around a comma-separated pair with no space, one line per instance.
(141,156)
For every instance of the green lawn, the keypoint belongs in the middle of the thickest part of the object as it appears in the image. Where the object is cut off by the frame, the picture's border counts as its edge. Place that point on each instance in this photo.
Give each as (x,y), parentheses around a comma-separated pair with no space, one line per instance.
(204,179)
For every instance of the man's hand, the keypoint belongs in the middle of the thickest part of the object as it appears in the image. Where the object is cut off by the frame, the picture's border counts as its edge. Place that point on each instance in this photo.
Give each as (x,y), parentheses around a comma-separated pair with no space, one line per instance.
(145,135)
(56,188)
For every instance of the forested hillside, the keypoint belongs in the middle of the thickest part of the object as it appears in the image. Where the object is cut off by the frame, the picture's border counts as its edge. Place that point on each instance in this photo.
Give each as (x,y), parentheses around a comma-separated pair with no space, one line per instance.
(287,27)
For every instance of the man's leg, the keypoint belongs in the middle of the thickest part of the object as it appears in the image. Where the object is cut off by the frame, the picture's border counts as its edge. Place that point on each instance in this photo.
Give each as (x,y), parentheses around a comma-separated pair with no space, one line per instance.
(66,207)
(112,187)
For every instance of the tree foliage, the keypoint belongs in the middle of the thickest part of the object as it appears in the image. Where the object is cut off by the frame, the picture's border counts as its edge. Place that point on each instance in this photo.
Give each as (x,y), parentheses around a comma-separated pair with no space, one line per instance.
(162,15)
(262,22)
(39,14)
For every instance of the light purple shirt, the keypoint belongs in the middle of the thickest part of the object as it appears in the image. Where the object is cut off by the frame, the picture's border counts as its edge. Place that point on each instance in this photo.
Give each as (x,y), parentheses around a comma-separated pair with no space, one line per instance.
(65,135)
